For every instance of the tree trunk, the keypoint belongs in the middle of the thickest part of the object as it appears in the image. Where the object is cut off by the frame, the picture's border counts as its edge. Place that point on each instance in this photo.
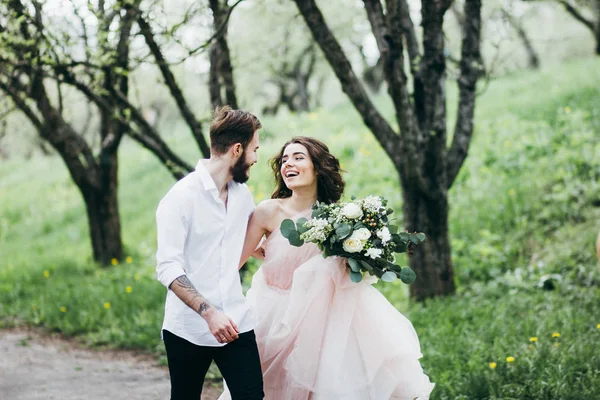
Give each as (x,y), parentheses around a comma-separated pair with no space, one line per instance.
(431,261)
(220,58)
(103,216)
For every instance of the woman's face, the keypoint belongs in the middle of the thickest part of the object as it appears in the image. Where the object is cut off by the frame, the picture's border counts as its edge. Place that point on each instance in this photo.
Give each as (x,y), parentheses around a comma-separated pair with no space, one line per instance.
(297,169)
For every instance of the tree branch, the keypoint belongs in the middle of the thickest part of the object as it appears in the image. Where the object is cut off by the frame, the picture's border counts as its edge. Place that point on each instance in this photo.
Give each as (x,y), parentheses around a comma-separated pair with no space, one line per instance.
(471,69)
(171,82)
(575,13)
(348,80)
(221,55)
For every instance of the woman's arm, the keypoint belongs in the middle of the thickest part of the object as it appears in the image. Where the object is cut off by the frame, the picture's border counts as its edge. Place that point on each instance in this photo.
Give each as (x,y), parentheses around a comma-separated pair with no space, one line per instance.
(257,228)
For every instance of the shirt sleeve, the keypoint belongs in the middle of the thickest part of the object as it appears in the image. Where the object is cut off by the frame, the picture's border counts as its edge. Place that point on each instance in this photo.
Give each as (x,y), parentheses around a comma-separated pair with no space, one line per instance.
(172,222)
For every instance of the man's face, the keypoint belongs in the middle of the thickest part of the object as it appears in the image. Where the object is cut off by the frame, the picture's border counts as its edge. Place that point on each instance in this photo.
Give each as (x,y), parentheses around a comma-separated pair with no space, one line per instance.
(240,171)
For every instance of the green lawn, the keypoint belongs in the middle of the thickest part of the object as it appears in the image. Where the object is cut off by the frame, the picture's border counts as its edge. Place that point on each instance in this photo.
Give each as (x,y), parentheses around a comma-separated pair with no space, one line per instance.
(525,215)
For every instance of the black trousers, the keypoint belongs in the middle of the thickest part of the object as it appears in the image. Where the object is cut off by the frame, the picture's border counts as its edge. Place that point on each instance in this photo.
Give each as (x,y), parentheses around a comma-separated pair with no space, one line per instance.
(238,362)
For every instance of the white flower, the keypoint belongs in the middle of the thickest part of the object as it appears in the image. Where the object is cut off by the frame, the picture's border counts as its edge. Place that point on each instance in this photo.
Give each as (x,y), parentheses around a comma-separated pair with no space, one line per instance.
(319,229)
(352,211)
(374,253)
(384,234)
(372,203)
(353,245)
(362,234)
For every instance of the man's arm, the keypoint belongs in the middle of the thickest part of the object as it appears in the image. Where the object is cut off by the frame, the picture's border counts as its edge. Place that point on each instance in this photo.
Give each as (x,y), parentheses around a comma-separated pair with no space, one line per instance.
(172,221)
(221,326)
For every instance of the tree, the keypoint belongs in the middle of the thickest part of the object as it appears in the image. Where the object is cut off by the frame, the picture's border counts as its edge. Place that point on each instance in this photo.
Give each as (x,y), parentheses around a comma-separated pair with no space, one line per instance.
(427,167)
(292,78)
(221,71)
(533,60)
(88,55)
(578,10)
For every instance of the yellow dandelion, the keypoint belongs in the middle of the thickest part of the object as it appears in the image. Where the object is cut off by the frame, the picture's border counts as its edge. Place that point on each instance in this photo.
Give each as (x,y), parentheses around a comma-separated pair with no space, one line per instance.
(128,289)
(567,109)
(507,144)
(46,274)
(533,339)
(556,335)
(512,192)
(492,365)
(107,305)
(598,326)
(114,261)
(510,359)
(129,260)
(63,309)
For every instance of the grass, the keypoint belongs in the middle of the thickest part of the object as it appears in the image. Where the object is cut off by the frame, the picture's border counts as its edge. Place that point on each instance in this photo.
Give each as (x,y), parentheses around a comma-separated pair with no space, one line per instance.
(524,217)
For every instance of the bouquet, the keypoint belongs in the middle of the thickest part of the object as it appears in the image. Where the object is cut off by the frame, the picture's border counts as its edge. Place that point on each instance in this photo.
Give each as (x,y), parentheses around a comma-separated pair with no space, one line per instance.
(359,231)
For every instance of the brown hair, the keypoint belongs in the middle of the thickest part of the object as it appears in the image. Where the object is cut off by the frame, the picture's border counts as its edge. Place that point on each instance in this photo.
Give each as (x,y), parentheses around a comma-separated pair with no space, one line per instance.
(330,184)
(229,127)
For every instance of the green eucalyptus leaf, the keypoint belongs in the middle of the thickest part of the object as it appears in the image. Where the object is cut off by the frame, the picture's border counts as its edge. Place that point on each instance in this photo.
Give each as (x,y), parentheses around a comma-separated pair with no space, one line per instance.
(355,276)
(294,239)
(354,265)
(407,275)
(366,266)
(400,247)
(389,276)
(301,225)
(287,227)
(404,236)
(343,231)
(421,236)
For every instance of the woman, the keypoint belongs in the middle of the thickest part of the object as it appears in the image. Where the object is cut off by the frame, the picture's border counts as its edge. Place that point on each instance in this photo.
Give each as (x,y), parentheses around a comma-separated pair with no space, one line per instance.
(321,336)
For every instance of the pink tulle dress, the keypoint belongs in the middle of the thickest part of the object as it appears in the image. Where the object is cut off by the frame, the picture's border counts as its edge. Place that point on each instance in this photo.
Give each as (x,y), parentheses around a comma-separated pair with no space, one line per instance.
(323,337)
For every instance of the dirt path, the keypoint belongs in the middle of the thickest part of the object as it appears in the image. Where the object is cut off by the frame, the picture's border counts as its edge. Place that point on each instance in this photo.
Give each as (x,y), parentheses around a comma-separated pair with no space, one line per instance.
(34,366)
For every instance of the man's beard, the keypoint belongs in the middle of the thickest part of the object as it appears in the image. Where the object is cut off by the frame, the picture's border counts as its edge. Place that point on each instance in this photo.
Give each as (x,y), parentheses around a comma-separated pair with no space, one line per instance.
(239,171)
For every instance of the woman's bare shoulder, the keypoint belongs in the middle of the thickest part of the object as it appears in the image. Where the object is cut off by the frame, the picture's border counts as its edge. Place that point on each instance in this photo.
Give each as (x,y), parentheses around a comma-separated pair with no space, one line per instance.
(268,211)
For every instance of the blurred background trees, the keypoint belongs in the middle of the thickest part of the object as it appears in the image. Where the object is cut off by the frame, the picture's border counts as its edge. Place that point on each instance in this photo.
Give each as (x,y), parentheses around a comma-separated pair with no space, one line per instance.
(79,78)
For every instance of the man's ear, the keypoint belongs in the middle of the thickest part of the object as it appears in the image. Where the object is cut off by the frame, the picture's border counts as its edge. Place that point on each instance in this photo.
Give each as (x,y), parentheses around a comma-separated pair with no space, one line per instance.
(237,150)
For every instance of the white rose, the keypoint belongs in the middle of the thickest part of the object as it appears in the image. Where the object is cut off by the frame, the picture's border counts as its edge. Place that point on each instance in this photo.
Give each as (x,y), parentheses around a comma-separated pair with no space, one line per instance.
(373,253)
(362,234)
(352,211)
(353,245)
(384,234)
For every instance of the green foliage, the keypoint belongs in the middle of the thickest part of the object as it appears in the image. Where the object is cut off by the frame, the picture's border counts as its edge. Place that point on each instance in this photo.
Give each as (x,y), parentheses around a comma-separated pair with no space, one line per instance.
(524,216)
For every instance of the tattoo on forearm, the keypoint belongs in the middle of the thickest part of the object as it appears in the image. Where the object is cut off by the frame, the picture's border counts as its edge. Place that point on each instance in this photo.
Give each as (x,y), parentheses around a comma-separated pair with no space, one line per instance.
(193,297)
(203,308)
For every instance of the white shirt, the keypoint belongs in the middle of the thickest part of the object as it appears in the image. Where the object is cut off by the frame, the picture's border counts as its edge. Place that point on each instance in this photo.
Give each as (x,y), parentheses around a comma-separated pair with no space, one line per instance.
(201,238)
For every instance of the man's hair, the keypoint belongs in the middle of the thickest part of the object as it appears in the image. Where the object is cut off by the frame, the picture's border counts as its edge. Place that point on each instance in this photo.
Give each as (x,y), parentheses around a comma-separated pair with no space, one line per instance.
(229,127)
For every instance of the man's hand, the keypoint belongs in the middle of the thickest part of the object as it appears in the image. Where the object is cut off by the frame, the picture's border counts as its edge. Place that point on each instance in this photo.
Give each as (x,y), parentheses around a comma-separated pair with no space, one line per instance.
(221,326)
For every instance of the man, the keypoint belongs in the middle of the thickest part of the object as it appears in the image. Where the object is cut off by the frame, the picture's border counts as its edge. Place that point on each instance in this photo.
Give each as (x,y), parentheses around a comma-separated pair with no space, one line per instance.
(201,225)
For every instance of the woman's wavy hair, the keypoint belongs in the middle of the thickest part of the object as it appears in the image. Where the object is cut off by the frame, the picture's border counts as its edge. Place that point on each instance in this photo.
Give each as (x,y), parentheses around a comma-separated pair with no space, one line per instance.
(330,184)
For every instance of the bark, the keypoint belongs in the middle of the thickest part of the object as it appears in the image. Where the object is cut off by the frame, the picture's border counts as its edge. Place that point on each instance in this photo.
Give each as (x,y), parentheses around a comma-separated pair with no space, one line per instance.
(432,259)
(220,56)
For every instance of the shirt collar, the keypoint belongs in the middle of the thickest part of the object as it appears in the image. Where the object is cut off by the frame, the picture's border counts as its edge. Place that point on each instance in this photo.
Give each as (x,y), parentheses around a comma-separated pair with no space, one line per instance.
(207,181)
(205,178)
